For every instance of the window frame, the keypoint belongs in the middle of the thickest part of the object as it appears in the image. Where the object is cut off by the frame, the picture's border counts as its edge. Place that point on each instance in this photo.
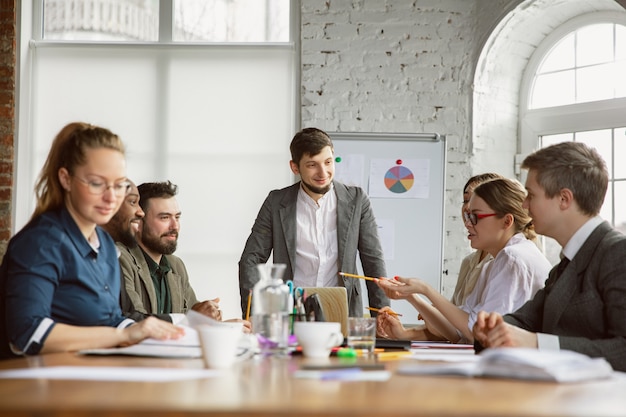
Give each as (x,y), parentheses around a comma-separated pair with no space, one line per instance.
(535,123)
(593,115)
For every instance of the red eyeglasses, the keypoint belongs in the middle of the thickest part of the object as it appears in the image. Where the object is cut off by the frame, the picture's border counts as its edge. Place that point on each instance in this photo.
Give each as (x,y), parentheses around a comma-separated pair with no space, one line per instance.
(473,217)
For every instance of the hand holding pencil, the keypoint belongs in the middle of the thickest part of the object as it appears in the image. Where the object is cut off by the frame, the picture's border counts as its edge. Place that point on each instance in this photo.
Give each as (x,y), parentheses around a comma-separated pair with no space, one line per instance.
(402,288)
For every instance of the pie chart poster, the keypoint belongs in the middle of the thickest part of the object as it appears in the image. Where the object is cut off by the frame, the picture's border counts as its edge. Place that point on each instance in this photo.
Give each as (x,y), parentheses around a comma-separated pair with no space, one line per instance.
(399,178)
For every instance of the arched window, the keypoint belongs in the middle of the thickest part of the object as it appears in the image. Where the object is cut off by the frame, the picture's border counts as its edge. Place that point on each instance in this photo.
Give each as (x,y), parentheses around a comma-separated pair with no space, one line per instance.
(574,89)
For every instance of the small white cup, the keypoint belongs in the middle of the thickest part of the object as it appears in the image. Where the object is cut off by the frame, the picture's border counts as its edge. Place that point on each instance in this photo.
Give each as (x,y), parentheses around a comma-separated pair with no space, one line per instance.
(317,337)
(220,344)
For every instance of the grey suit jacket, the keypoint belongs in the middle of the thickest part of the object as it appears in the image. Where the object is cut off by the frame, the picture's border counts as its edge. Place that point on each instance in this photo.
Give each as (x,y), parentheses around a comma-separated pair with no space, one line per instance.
(275,230)
(586,306)
(138,298)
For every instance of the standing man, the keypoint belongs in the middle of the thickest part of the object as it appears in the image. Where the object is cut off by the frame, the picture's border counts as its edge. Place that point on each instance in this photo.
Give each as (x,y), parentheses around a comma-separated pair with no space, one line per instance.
(583,305)
(316,227)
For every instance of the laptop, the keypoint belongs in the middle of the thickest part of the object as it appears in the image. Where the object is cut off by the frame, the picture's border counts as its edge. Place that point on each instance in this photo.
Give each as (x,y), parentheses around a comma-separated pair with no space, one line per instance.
(334,301)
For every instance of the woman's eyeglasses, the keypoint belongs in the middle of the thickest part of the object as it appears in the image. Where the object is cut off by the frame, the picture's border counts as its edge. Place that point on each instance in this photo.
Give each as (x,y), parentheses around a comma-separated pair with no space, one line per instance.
(473,217)
(97,187)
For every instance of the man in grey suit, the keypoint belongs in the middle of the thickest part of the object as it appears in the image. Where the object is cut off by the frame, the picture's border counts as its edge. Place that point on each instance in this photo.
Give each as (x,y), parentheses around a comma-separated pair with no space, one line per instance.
(316,227)
(583,305)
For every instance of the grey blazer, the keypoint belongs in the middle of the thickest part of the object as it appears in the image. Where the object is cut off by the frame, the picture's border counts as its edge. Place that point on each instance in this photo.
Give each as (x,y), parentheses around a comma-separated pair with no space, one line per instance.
(138,297)
(586,306)
(274,230)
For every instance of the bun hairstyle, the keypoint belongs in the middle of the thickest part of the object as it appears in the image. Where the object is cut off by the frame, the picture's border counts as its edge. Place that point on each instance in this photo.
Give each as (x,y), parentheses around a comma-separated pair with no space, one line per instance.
(506,196)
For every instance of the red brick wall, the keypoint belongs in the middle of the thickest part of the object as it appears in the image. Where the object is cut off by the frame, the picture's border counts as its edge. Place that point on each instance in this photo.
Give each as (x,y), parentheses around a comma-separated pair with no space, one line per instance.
(8,51)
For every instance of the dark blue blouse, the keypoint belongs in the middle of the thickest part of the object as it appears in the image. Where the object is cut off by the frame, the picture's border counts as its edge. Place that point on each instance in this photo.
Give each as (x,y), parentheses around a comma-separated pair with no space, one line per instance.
(51,274)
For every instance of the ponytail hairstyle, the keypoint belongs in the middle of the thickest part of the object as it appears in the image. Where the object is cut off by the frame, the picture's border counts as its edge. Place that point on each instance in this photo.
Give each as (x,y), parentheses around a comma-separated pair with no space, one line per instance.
(68,151)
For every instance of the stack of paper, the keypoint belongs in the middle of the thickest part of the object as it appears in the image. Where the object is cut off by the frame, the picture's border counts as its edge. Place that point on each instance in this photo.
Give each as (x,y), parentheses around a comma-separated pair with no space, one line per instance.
(520,363)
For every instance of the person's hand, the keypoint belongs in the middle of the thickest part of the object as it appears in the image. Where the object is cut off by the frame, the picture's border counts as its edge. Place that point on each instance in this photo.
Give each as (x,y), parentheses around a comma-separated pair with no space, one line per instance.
(247,326)
(485,322)
(210,308)
(151,327)
(388,325)
(492,331)
(401,288)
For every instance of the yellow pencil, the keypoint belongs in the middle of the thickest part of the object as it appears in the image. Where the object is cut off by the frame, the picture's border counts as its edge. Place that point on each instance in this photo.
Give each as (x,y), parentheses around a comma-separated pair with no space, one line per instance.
(345,274)
(385,356)
(249,303)
(393,313)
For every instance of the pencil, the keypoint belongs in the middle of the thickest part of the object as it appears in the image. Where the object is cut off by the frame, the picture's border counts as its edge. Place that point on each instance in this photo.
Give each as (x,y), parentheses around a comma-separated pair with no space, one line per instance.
(248,307)
(345,274)
(385,356)
(393,313)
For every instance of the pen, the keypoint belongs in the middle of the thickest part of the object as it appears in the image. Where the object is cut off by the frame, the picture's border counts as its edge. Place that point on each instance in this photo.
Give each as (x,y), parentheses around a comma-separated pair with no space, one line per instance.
(345,274)
(393,313)
(248,307)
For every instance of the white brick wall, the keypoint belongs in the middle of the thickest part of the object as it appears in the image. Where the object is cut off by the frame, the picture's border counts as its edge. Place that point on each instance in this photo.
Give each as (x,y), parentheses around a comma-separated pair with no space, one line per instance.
(451,67)
(397,66)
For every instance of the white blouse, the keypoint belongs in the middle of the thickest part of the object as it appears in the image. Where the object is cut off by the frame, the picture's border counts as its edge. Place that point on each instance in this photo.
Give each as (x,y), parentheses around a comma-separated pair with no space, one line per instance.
(510,279)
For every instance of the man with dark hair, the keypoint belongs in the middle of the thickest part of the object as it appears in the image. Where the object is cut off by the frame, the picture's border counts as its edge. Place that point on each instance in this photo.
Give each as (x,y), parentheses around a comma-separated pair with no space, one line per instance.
(316,226)
(155,281)
(583,304)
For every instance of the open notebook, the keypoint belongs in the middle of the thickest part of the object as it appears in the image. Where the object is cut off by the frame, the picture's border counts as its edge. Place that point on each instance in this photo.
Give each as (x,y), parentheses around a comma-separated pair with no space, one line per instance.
(334,301)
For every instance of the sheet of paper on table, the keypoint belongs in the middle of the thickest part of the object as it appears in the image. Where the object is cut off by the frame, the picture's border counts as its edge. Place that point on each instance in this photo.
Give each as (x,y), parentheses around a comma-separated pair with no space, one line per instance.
(520,363)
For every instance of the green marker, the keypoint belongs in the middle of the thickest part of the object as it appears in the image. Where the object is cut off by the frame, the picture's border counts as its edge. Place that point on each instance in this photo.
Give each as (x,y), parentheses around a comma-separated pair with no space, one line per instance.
(338,159)
(346,353)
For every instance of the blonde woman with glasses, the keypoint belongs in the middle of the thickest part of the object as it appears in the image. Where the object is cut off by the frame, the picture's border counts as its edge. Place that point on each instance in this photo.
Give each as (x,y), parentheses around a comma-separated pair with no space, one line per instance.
(60,278)
(498,224)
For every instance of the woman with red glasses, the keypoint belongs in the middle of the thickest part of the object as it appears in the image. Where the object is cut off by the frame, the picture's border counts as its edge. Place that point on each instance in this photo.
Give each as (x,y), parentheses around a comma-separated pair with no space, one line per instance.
(497,224)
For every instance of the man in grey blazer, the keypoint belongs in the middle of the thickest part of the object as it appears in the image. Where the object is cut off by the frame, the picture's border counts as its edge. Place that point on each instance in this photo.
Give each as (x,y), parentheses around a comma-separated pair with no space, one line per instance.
(583,305)
(316,227)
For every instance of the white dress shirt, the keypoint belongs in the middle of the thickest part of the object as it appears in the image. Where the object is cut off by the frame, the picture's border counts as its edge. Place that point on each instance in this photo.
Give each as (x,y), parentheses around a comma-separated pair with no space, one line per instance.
(316,241)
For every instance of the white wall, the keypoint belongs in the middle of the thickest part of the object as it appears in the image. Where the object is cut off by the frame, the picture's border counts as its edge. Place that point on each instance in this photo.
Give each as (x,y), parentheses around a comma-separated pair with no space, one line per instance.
(445,66)
(398,66)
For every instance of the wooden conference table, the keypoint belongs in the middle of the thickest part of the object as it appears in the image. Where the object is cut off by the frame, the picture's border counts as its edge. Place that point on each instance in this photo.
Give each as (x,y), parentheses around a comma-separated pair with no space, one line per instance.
(266,387)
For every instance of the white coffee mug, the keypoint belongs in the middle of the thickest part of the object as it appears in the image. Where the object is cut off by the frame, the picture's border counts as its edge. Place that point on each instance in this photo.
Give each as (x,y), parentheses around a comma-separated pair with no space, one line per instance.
(317,338)
(220,344)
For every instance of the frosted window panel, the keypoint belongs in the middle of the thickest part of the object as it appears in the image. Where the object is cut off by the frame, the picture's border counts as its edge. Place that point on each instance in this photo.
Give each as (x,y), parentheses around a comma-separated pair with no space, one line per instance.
(225,101)
(594,44)
(595,83)
(619,79)
(142,168)
(620,42)
(548,140)
(221,196)
(231,20)
(620,206)
(553,89)
(606,211)
(560,57)
(620,151)
(601,141)
(113,88)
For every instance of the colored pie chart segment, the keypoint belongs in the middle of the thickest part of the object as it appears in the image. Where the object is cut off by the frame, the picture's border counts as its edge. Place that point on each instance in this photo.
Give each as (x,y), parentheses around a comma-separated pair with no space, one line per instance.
(399,179)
